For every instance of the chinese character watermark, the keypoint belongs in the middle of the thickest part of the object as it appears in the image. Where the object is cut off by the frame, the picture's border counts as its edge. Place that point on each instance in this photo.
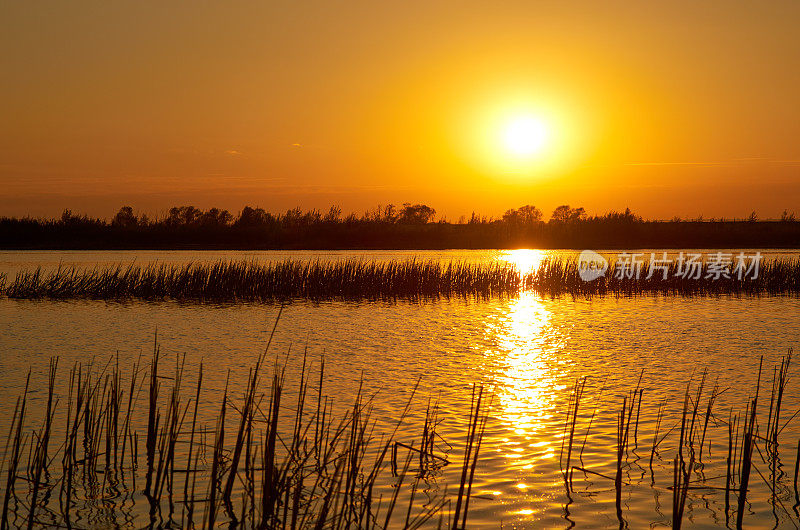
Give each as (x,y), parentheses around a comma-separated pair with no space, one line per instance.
(684,265)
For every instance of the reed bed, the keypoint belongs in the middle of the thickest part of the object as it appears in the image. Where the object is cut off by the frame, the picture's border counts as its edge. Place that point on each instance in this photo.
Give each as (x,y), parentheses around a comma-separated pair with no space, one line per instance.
(561,276)
(275,458)
(116,447)
(248,281)
(752,456)
(359,280)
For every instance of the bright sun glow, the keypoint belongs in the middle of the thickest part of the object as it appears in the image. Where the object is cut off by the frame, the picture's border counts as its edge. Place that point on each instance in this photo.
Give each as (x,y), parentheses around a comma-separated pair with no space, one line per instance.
(519,136)
(525,136)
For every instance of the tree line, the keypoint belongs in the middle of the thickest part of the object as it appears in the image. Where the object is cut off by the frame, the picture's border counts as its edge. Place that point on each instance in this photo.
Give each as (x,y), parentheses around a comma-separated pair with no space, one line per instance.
(388,226)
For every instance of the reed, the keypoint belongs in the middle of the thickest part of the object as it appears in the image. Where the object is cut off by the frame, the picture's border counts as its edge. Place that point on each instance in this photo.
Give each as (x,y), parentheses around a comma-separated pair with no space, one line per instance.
(477,428)
(267,463)
(283,457)
(682,469)
(796,471)
(690,436)
(561,276)
(748,444)
(13,460)
(572,420)
(773,427)
(730,461)
(621,451)
(355,280)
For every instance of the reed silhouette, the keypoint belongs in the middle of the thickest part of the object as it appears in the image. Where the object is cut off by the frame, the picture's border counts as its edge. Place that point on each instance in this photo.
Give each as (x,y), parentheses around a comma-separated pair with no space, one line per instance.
(227,281)
(276,457)
(749,446)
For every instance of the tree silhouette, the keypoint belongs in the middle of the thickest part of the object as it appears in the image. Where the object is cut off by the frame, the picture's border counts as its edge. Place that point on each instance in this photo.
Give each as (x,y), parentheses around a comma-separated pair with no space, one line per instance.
(524,215)
(125,218)
(565,214)
(416,214)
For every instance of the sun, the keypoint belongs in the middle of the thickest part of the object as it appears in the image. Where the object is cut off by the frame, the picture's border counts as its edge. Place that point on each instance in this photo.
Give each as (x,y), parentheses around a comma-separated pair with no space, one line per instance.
(525,136)
(518,137)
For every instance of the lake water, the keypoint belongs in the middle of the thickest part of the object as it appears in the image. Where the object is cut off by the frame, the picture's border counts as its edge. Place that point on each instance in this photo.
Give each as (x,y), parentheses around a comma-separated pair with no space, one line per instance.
(527,350)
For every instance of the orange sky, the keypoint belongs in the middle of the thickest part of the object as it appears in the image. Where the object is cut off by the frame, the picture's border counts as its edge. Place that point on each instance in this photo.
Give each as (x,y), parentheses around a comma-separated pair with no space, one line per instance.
(671,108)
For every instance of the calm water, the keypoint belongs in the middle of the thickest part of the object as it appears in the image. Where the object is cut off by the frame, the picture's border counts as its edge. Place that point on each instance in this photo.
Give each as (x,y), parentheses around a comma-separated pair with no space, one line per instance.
(528,350)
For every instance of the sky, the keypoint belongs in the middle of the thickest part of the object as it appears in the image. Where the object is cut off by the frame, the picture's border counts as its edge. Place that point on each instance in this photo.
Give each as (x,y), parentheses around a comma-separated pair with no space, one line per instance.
(678,108)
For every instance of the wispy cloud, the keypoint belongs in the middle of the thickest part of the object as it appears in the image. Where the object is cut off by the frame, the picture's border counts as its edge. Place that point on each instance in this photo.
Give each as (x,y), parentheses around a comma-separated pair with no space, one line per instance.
(732,161)
(676,163)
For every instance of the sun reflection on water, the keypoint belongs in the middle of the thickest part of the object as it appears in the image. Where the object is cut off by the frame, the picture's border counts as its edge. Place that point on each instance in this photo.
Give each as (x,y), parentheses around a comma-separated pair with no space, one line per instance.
(526,260)
(525,343)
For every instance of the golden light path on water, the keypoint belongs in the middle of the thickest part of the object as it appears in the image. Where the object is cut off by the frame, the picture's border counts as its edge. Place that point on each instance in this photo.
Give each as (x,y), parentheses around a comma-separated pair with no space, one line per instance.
(523,341)
(524,259)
